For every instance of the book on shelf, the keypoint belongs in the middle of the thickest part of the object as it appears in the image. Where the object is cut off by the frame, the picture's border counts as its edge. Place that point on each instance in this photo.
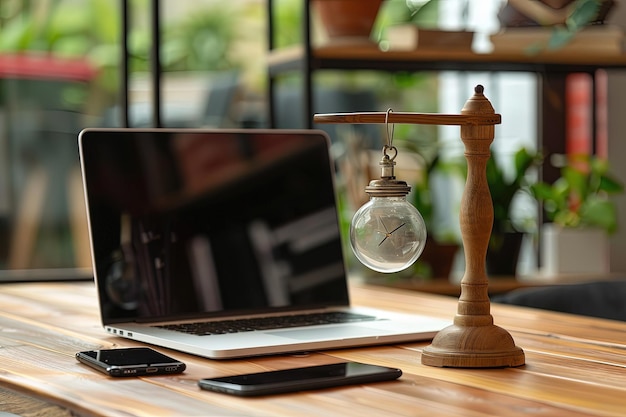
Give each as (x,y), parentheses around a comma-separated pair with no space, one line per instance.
(410,37)
(606,39)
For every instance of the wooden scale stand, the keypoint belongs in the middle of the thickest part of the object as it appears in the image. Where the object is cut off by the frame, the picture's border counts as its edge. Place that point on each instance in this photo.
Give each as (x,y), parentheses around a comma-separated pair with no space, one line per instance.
(472,341)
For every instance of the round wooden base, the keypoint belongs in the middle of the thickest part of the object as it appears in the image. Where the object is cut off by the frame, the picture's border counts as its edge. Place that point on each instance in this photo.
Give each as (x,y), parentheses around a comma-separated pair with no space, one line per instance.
(473,347)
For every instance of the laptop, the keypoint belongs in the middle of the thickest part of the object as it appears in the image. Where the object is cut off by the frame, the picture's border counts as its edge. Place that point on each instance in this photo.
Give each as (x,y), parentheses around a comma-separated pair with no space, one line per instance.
(224,243)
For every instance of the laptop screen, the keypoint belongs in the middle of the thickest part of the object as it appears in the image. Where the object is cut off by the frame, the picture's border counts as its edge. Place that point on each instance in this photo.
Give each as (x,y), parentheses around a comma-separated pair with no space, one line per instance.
(200,223)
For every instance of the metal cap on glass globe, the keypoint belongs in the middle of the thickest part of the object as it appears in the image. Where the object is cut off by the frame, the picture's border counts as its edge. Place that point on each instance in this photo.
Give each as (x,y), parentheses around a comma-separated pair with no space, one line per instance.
(387,185)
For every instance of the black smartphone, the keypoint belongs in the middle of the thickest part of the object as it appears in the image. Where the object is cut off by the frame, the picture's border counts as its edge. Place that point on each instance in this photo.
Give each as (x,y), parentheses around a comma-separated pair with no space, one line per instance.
(130,362)
(299,379)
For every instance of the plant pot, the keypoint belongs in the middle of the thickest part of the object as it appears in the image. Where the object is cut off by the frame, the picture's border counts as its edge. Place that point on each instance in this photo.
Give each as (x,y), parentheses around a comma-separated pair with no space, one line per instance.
(567,250)
(348,19)
(502,261)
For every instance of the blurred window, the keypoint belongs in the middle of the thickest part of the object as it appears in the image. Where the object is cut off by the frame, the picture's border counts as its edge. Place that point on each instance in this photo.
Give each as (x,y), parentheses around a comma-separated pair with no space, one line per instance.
(60,71)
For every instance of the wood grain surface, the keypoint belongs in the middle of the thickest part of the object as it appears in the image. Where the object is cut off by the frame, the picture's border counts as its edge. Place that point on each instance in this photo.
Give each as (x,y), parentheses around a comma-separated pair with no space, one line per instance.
(409,118)
(575,366)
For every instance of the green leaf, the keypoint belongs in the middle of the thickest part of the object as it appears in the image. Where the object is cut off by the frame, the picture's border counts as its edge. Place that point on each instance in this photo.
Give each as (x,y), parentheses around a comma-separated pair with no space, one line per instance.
(17,35)
(561,188)
(542,191)
(560,37)
(426,15)
(610,185)
(567,218)
(584,12)
(576,180)
(598,166)
(599,212)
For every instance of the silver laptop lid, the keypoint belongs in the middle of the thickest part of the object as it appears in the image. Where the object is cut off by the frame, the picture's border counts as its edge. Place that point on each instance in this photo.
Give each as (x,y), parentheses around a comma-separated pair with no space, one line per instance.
(203,223)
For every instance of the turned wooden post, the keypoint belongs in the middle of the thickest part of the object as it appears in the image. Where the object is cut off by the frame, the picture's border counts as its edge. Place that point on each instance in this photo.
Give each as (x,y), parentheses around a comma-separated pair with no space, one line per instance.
(472,341)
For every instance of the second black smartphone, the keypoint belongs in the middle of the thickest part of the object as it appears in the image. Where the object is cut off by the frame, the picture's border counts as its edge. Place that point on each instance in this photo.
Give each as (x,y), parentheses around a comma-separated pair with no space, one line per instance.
(130,362)
(298,379)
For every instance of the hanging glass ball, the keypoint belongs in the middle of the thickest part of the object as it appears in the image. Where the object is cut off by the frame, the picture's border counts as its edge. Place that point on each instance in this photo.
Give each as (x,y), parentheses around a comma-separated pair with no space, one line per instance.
(387,234)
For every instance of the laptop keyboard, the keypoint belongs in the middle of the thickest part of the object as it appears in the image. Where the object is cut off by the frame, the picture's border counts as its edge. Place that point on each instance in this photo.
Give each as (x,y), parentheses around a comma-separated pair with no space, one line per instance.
(266,323)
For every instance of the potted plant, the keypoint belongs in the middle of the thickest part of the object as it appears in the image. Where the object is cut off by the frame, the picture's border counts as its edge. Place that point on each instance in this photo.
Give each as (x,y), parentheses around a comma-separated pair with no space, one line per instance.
(506,235)
(581,215)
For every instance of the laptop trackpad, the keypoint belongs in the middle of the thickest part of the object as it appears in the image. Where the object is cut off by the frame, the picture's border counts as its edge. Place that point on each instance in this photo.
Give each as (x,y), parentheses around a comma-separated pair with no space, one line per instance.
(339,332)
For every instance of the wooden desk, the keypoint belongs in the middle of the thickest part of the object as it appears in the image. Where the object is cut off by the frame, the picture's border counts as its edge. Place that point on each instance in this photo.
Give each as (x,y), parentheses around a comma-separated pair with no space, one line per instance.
(575,366)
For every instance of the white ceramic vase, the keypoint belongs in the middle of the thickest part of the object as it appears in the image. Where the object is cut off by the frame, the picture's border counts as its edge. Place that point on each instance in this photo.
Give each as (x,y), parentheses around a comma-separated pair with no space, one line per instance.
(567,250)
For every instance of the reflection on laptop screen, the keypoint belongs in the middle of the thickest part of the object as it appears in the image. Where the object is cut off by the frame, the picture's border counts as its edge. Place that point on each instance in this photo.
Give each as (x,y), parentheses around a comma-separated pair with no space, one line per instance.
(188,222)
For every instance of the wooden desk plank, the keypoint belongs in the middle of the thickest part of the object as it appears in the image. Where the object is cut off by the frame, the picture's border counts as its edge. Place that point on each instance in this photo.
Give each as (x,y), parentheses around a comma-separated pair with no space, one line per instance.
(575,366)
(20,405)
(556,385)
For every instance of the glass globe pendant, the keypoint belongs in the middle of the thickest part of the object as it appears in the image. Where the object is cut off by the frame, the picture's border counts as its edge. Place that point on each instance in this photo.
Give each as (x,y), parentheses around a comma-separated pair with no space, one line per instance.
(387,234)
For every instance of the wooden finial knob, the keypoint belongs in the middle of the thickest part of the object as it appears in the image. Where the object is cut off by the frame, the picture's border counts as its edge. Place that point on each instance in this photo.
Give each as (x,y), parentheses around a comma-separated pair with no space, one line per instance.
(478,103)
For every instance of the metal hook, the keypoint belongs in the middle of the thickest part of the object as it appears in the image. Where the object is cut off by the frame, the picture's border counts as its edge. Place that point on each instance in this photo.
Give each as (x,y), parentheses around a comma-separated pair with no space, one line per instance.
(389,145)
(389,134)
(386,155)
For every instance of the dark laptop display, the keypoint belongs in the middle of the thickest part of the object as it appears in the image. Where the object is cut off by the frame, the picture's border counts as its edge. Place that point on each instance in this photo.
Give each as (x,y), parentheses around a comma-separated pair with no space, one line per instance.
(224,243)
(199,224)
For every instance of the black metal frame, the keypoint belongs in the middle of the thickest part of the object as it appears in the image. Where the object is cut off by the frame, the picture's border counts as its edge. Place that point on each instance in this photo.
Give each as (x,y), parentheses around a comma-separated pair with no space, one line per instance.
(155,63)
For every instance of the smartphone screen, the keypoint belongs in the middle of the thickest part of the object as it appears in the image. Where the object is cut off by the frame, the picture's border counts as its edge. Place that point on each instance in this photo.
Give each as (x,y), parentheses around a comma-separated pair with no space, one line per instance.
(130,362)
(298,379)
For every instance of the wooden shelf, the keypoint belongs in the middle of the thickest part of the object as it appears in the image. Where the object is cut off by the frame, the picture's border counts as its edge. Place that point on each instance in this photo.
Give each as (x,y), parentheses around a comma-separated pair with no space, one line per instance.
(369,56)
